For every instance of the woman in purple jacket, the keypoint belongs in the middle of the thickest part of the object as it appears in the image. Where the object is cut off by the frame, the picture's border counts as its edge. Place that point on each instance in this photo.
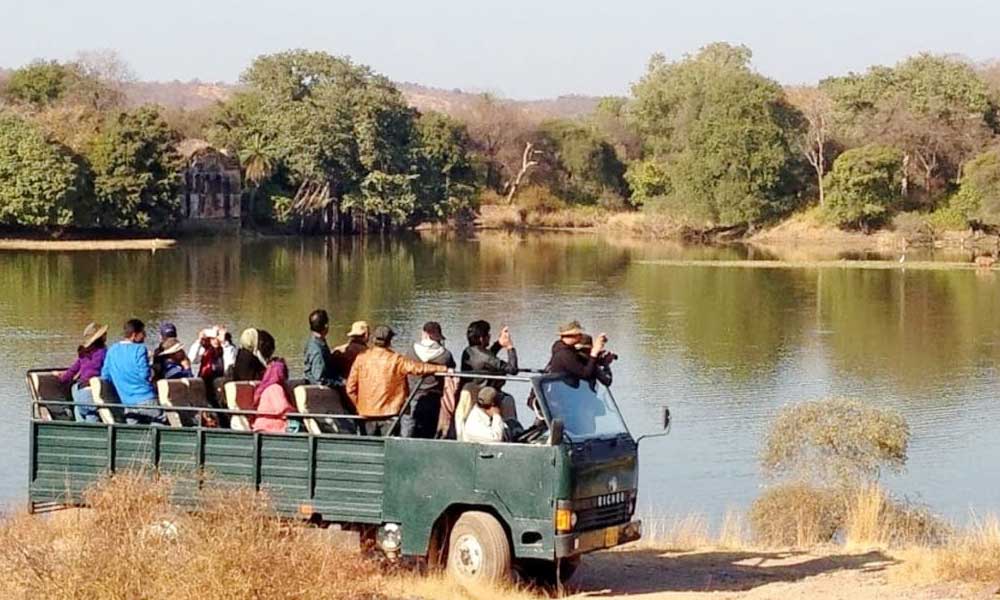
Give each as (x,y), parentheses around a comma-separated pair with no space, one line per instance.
(88,363)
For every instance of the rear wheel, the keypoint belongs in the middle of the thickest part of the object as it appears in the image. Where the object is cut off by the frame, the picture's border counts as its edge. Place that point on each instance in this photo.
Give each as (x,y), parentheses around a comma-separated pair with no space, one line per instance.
(478,550)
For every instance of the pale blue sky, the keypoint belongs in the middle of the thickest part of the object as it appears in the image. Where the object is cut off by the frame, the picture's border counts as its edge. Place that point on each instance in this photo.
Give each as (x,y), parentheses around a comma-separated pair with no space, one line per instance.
(518,48)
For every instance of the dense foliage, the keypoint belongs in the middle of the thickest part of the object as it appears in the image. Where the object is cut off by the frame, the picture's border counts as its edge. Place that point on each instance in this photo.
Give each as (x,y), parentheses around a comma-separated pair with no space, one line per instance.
(40,183)
(327,144)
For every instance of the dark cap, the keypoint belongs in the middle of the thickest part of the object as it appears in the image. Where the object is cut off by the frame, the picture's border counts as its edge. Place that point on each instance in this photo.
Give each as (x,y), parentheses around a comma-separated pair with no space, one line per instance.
(487,396)
(383,333)
(168,330)
(434,328)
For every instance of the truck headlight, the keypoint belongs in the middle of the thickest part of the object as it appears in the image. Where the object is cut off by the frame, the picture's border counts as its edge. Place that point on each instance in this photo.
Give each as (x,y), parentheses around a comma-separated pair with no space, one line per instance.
(565,520)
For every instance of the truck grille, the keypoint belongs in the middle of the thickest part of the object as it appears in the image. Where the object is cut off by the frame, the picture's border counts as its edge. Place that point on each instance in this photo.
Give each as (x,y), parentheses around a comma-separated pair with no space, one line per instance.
(602,511)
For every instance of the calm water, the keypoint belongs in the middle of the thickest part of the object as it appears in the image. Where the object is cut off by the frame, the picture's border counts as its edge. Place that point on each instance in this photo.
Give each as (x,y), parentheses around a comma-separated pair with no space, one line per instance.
(723,347)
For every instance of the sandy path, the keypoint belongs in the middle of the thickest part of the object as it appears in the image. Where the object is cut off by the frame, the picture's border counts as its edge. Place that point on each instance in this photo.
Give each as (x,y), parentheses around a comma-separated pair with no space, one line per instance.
(726,575)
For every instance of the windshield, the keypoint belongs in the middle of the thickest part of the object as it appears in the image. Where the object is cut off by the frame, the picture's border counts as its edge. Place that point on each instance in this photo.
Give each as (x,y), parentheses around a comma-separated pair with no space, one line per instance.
(586,412)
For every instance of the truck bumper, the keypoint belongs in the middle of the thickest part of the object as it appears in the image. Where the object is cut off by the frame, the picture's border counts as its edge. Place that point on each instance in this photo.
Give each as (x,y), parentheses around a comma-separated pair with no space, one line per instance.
(573,544)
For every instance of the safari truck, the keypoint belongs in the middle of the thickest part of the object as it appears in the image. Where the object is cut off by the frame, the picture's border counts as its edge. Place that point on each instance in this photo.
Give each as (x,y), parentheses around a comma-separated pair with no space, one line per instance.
(566,486)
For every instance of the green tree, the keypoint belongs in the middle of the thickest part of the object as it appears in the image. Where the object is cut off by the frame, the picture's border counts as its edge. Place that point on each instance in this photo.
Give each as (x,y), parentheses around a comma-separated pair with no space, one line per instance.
(578,165)
(38,84)
(447,179)
(40,183)
(979,196)
(722,134)
(257,157)
(136,172)
(863,186)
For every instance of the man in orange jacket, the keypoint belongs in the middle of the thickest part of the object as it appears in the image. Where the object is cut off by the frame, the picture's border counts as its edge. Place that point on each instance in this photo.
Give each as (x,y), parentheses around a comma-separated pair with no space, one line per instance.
(378,383)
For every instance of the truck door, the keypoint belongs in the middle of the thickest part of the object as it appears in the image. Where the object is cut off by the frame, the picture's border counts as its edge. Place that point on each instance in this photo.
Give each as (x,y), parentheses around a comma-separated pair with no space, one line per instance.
(520,476)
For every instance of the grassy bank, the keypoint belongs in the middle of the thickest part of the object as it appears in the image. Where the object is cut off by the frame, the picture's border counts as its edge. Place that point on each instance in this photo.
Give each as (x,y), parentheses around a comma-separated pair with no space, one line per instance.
(581,218)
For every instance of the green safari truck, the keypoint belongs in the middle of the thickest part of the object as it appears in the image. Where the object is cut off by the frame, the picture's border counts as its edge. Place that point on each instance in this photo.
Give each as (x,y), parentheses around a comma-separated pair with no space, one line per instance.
(566,486)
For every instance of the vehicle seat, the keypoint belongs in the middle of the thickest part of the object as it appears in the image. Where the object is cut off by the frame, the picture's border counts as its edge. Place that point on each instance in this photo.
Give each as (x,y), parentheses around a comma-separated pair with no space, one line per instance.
(239,396)
(322,400)
(45,385)
(186,392)
(105,396)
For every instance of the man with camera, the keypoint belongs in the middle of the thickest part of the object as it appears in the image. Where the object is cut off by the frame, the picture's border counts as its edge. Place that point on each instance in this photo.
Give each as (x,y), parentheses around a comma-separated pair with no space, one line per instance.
(566,357)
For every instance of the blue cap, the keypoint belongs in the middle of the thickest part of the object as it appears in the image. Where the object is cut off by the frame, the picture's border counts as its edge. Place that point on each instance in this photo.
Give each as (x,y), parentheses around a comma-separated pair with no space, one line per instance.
(168,330)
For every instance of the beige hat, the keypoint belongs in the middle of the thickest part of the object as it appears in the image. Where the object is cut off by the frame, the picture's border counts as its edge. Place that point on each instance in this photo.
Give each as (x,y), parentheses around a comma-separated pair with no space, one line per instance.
(358,328)
(92,333)
(571,328)
(171,346)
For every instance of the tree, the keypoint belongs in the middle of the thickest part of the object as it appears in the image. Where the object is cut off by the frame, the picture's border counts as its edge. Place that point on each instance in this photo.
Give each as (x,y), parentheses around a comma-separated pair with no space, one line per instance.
(610,118)
(814,141)
(447,179)
(38,84)
(863,186)
(721,133)
(257,157)
(136,172)
(979,196)
(499,132)
(935,109)
(578,165)
(40,184)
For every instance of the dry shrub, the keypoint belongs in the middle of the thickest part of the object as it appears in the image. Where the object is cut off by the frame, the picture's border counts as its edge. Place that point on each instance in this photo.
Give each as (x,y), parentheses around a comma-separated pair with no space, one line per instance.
(972,556)
(874,519)
(134,544)
(796,514)
(643,224)
(835,442)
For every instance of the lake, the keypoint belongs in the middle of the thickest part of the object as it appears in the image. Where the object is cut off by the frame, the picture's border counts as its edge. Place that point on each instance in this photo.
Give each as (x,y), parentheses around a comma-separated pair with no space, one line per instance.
(724,348)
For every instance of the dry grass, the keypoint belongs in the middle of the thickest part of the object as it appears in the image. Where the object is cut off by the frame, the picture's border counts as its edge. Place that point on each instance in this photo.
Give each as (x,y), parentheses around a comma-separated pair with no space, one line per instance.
(972,555)
(874,519)
(622,223)
(797,515)
(437,586)
(689,532)
(134,544)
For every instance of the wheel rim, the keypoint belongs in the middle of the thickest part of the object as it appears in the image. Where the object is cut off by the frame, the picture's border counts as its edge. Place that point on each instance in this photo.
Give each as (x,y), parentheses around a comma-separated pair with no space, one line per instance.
(468,554)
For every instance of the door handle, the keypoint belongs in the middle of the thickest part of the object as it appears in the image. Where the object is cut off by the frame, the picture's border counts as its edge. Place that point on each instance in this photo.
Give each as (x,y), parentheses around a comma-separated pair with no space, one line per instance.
(485,455)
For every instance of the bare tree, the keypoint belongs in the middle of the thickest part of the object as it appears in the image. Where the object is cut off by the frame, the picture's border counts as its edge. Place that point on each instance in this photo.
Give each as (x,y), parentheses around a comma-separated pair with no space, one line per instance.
(817,108)
(528,162)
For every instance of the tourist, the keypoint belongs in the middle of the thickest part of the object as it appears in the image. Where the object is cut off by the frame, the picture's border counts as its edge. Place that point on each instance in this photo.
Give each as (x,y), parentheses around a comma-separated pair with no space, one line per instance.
(318,361)
(482,357)
(602,372)
(251,358)
(565,357)
(271,397)
(89,361)
(167,331)
(173,360)
(344,354)
(422,418)
(208,353)
(377,384)
(229,351)
(126,367)
(485,423)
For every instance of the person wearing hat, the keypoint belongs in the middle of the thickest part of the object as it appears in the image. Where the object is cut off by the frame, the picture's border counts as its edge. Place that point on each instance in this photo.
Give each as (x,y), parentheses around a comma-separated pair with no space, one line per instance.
(378,385)
(485,423)
(344,354)
(422,418)
(318,361)
(565,357)
(89,361)
(167,331)
(174,361)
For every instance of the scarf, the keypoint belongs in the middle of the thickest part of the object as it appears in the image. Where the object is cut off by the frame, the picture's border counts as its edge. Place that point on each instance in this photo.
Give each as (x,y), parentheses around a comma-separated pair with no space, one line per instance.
(276,374)
(249,340)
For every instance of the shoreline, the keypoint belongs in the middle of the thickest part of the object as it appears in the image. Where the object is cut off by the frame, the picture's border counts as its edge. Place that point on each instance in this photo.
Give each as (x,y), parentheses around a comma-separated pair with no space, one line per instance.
(82,245)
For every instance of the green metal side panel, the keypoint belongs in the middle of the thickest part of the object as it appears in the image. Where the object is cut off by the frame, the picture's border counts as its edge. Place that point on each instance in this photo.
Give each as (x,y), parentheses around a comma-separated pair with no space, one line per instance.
(426,477)
(67,458)
(284,471)
(349,478)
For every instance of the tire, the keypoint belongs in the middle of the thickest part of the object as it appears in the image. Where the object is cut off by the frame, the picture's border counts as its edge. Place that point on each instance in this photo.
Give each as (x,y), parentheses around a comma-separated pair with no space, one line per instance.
(478,550)
(543,572)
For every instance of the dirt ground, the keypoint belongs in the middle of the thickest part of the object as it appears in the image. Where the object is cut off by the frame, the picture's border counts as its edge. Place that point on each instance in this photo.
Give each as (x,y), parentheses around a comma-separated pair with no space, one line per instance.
(751,575)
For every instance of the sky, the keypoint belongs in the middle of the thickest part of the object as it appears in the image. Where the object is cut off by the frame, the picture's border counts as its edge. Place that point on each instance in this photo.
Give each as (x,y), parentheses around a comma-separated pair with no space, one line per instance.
(515,48)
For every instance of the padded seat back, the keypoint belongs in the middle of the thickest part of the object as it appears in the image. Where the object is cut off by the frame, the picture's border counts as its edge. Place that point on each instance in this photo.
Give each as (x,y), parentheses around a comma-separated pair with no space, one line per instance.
(186,392)
(322,400)
(45,385)
(106,398)
(239,396)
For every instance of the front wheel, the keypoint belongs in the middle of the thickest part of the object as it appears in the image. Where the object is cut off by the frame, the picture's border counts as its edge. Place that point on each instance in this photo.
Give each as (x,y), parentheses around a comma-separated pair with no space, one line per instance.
(478,550)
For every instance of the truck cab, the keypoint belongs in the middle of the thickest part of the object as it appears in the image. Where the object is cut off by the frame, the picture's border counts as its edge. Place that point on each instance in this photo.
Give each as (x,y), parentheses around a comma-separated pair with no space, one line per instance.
(564,486)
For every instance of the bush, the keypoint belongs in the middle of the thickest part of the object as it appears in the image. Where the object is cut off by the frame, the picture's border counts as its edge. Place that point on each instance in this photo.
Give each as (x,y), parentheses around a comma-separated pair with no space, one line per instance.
(863,188)
(537,199)
(835,443)
(796,514)
(979,196)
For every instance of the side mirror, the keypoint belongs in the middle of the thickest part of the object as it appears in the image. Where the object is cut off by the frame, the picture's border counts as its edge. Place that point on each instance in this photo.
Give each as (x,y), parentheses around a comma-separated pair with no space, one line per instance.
(666,418)
(556,431)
